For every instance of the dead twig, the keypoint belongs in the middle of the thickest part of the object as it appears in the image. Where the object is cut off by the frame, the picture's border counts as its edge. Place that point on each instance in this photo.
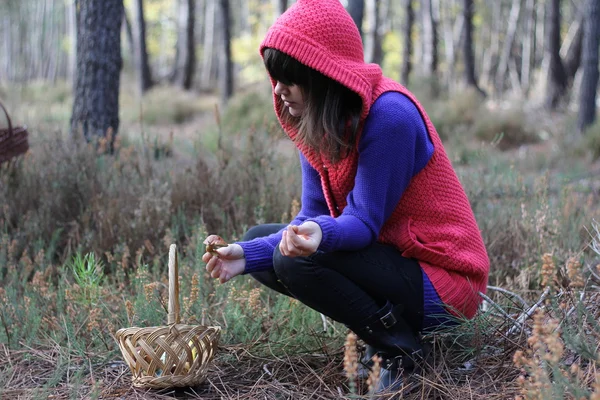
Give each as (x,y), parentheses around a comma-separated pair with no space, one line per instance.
(530,311)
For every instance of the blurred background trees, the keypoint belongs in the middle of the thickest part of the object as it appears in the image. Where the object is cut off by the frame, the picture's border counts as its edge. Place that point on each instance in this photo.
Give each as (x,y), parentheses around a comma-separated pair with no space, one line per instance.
(542,51)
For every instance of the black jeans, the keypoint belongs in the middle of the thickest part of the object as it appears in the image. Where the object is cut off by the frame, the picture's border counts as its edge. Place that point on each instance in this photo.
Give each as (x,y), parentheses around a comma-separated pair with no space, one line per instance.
(347,286)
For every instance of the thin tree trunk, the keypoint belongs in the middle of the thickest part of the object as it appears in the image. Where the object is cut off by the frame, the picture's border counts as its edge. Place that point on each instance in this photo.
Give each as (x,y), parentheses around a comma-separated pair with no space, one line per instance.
(468,54)
(141,52)
(540,33)
(208,45)
(511,31)
(491,59)
(528,46)
(589,81)
(128,32)
(72,29)
(557,77)
(356,9)
(452,39)
(185,60)
(7,47)
(373,50)
(572,47)
(279,6)
(226,70)
(409,14)
(430,56)
(96,102)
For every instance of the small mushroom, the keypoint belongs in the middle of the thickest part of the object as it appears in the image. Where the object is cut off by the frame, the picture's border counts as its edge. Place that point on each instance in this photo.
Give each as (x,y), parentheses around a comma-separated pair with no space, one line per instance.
(215,242)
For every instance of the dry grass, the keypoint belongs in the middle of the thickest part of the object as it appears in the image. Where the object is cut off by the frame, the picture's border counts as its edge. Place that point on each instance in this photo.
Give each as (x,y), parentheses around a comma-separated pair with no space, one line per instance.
(61,200)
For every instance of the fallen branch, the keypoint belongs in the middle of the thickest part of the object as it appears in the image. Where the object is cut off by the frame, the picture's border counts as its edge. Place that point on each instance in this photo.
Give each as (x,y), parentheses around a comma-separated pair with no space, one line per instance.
(509,293)
(504,313)
(531,310)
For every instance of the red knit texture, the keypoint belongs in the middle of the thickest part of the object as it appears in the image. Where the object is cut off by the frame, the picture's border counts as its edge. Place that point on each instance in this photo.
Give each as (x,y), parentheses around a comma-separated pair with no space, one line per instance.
(433,221)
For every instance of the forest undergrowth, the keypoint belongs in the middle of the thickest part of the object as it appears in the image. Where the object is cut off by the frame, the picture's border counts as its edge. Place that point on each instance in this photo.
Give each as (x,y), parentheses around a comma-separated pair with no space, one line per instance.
(84,237)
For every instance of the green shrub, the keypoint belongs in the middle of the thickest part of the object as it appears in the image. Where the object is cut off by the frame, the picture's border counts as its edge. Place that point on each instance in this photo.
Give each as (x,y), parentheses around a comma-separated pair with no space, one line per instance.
(250,109)
(163,105)
(507,128)
(455,115)
(592,139)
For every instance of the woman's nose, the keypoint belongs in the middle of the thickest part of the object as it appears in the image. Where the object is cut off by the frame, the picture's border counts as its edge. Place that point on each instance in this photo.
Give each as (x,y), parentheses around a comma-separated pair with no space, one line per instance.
(280,88)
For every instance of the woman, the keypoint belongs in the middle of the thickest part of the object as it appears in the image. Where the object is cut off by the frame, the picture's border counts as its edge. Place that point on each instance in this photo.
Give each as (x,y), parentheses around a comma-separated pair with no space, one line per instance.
(385,241)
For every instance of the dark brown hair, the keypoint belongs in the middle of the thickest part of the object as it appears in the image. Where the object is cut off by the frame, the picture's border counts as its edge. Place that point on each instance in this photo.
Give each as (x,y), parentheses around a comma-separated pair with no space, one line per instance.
(329,123)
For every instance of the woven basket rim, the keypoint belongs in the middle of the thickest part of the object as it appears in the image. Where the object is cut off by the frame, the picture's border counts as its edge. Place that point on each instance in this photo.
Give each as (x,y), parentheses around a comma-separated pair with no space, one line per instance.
(218,327)
(138,343)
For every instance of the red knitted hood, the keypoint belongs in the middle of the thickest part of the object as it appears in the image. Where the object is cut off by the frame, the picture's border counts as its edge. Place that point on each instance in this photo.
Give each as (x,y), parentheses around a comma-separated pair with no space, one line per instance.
(322,35)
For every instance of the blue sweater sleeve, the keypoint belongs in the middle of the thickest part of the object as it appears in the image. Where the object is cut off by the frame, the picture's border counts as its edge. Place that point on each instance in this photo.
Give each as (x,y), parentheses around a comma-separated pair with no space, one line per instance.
(259,252)
(393,147)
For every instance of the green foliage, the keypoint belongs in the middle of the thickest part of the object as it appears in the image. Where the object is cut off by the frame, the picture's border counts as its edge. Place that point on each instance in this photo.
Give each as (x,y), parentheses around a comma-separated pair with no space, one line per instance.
(162,105)
(506,128)
(88,273)
(392,49)
(251,109)
(455,115)
(592,140)
(245,54)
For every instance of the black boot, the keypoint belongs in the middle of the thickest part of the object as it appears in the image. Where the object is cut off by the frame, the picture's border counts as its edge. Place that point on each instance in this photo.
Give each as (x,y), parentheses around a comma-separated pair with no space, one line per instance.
(395,370)
(366,362)
(396,341)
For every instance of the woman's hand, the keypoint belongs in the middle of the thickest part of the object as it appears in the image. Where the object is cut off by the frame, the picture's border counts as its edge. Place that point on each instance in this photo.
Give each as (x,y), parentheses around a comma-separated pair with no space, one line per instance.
(301,240)
(225,262)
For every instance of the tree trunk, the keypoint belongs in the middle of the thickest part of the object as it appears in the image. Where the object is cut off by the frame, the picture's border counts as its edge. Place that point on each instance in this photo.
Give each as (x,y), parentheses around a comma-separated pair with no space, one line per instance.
(140,50)
(72,29)
(490,59)
(409,14)
(373,49)
(128,32)
(572,47)
(589,81)
(208,45)
(430,39)
(226,70)
(557,77)
(511,31)
(528,46)
(96,100)
(452,38)
(540,33)
(279,6)
(185,60)
(356,8)
(468,54)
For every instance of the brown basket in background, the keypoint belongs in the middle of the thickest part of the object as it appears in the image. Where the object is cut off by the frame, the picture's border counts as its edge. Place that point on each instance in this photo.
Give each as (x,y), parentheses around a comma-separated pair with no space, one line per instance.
(13,140)
(176,355)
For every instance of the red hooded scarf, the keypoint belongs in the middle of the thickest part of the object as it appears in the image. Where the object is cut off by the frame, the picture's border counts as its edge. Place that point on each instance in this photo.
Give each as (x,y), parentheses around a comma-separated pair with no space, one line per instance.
(433,222)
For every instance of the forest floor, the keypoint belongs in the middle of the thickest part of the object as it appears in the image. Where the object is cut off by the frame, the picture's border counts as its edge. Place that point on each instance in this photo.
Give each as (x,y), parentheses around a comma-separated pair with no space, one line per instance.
(474,361)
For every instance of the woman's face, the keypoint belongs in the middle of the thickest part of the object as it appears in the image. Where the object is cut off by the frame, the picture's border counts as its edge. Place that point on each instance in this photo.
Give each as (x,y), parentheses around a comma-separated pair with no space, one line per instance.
(292,98)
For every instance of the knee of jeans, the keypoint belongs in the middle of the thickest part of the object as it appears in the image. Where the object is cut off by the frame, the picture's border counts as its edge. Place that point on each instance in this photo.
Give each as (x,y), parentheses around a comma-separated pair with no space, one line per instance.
(252,233)
(291,270)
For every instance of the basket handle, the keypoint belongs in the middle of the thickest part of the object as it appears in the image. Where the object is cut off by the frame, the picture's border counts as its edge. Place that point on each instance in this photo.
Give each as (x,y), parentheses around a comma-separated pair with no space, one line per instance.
(7,118)
(173,316)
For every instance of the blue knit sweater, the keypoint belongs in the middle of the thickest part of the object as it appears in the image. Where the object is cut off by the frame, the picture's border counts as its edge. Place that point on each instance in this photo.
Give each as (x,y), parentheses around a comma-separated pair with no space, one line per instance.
(394,136)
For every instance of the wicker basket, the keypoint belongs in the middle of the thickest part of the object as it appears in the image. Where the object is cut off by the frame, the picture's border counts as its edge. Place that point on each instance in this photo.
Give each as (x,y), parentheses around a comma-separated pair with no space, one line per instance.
(176,355)
(13,141)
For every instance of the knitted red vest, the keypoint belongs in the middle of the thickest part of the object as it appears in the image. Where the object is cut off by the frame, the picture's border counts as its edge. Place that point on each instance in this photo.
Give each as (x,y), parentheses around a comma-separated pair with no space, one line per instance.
(433,222)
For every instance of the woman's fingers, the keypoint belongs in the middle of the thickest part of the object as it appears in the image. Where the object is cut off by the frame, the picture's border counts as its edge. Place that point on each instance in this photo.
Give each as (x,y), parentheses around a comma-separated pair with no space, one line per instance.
(206,257)
(295,240)
(291,244)
(224,276)
(211,263)
(216,272)
(283,247)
